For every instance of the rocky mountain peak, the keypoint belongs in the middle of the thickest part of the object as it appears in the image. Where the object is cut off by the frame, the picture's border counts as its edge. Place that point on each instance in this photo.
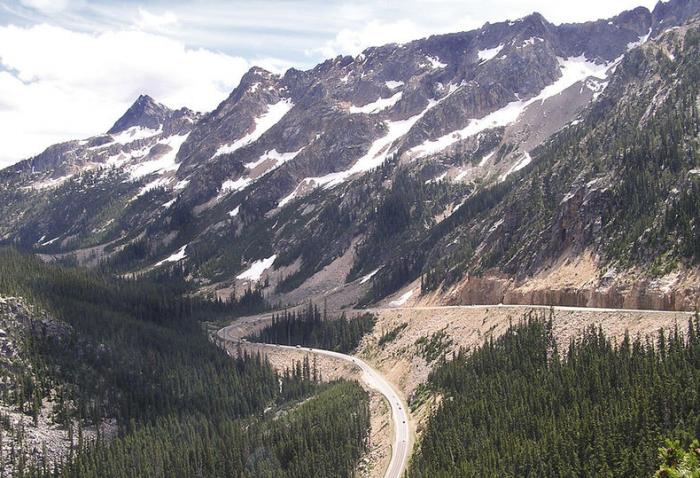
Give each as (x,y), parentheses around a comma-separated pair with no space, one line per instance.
(257,75)
(674,12)
(145,112)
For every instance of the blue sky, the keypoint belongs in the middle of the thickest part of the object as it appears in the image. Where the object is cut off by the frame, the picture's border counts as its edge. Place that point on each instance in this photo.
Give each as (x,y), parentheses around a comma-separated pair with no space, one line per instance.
(70,68)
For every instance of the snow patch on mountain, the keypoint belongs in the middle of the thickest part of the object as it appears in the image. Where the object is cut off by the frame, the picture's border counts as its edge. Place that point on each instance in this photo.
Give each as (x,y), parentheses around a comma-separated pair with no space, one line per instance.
(163,164)
(462,174)
(122,158)
(257,268)
(280,158)
(642,40)
(235,212)
(486,158)
(366,278)
(49,242)
(178,256)
(524,161)
(505,116)
(379,105)
(401,300)
(437,179)
(51,183)
(572,70)
(237,185)
(262,124)
(435,63)
(181,184)
(530,41)
(392,85)
(304,183)
(158,183)
(379,150)
(135,133)
(375,156)
(490,53)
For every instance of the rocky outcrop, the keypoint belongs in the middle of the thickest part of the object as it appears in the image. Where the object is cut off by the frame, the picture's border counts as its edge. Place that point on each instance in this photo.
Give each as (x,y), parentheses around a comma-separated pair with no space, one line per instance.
(677,12)
(145,113)
(16,321)
(675,292)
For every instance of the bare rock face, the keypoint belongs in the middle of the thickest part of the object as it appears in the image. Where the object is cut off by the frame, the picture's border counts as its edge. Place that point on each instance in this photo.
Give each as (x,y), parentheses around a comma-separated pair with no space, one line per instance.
(607,39)
(16,320)
(669,14)
(145,112)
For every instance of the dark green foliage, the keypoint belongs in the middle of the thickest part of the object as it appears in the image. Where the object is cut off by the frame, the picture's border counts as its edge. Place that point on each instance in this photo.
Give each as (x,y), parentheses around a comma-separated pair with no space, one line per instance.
(514,407)
(133,346)
(251,302)
(184,407)
(310,329)
(391,335)
(677,463)
(434,347)
(404,217)
(323,238)
(323,437)
(393,213)
(684,217)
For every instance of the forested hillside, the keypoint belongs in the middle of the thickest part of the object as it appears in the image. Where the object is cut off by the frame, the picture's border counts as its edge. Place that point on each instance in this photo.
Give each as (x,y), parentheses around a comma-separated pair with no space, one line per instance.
(310,328)
(138,353)
(517,407)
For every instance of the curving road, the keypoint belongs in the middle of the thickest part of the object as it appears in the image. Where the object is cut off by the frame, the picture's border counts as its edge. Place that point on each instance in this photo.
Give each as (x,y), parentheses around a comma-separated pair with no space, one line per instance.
(402,441)
(402,437)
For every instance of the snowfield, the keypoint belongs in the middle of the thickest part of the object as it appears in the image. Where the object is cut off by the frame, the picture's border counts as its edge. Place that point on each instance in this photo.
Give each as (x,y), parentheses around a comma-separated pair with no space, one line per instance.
(262,124)
(163,164)
(572,70)
(489,54)
(257,268)
(380,105)
(401,300)
(132,134)
(280,158)
(178,256)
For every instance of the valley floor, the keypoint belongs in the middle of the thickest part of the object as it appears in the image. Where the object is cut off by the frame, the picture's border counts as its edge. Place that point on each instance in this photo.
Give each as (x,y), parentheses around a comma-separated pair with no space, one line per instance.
(433,332)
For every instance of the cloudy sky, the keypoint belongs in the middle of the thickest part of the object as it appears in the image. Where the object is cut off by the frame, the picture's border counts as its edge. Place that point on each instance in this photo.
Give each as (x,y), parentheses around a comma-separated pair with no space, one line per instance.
(70,68)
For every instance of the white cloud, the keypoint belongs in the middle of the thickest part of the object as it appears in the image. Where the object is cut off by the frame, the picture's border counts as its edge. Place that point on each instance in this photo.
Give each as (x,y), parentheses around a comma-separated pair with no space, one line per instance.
(351,41)
(65,85)
(148,20)
(46,6)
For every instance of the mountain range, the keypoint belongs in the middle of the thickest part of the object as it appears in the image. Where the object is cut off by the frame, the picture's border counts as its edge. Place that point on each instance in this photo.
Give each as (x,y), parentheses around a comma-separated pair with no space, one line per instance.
(523,162)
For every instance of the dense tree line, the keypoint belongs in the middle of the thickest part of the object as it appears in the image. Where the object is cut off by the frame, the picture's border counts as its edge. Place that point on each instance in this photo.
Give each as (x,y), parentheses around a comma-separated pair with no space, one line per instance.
(311,328)
(515,407)
(184,407)
(323,437)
